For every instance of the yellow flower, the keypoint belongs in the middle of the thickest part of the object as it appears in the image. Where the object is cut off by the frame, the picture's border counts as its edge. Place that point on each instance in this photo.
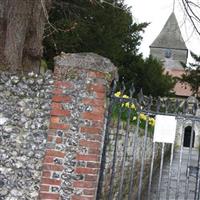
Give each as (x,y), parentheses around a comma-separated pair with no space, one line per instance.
(127,104)
(152,121)
(125,96)
(143,116)
(133,106)
(118,94)
(134,118)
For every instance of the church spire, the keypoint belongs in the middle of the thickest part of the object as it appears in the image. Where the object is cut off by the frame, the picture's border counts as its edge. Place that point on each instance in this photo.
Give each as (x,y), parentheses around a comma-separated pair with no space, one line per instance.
(170,36)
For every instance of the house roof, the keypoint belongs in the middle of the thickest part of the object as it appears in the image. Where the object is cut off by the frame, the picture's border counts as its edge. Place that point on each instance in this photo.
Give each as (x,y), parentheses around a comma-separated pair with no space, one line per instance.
(170,36)
(180,89)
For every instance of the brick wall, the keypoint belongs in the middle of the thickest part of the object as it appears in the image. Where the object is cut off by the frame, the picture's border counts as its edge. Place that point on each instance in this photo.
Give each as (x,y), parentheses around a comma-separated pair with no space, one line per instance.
(73,152)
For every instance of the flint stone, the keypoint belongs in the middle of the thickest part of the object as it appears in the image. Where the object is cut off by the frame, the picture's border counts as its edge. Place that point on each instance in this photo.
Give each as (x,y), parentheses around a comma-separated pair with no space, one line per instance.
(3,120)
(15,79)
(24,121)
(56,175)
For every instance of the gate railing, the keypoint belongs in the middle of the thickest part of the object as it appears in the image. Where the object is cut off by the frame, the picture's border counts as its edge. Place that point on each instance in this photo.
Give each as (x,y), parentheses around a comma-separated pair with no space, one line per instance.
(135,113)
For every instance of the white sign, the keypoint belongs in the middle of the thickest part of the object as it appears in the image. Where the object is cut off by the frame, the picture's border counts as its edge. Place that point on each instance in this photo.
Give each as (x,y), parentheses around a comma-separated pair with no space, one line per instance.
(165,129)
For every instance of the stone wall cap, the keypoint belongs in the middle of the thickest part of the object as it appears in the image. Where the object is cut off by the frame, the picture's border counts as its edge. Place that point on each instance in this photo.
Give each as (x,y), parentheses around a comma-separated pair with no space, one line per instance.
(89,61)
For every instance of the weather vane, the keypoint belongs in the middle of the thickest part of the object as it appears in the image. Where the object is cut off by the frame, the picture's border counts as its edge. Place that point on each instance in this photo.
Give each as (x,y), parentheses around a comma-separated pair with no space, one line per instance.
(173,5)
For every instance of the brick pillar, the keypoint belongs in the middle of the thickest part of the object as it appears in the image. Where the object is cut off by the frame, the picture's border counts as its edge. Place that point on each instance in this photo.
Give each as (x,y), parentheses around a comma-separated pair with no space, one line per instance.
(75,137)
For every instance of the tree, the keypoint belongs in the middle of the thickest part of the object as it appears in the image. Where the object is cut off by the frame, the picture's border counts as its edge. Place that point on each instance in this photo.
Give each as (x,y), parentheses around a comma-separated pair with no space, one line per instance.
(149,75)
(99,27)
(103,27)
(192,75)
(109,30)
(192,9)
(22,25)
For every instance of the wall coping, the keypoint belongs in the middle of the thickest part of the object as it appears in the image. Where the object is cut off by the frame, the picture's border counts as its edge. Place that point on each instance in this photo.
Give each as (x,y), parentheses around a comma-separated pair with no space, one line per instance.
(88,61)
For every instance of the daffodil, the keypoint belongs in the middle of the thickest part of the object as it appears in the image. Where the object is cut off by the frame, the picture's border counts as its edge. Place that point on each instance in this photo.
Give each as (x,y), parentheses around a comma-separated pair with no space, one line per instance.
(118,94)
(127,104)
(143,116)
(125,96)
(152,121)
(133,106)
(134,118)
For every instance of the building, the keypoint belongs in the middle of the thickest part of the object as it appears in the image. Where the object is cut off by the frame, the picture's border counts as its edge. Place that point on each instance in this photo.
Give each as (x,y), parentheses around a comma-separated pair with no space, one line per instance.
(170,48)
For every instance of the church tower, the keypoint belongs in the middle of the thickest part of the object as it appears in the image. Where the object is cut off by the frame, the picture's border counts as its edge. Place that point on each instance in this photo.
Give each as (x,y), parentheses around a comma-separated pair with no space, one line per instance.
(170,48)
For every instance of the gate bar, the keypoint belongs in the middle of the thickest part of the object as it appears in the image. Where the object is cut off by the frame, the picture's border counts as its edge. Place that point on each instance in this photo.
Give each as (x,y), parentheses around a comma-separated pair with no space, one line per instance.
(124,155)
(188,164)
(106,140)
(133,160)
(143,157)
(197,187)
(170,173)
(179,166)
(161,168)
(114,155)
(151,172)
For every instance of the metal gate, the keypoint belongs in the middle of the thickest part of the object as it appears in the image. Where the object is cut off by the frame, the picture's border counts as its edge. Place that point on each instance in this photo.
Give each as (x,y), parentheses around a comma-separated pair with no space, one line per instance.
(133,165)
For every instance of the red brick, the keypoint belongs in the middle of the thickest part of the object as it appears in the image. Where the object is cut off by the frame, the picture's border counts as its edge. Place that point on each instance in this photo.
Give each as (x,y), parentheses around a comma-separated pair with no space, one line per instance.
(97,88)
(87,157)
(86,170)
(60,112)
(57,91)
(84,184)
(52,167)
(55,153)
(94,74)
(100,95)
(93,116)
(50,138)
(59,126)
(50,181)
(93,102)
(77,197)
(94,151)
(62,84)
(91,177)
(89,192)
(94,137)
(56,106)
(49,196)
(46,174)
(58,140)
(54,120)
(48,159)
(91,130)
(64,99)
(98,124)
(44,188)
(91,144)
(99,109)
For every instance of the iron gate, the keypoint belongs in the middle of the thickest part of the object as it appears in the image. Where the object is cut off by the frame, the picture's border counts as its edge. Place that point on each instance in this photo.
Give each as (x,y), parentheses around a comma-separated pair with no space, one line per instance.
(133,166)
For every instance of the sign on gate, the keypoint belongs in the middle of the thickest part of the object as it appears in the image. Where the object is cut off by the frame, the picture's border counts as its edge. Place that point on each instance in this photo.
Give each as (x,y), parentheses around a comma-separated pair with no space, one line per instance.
(165,129)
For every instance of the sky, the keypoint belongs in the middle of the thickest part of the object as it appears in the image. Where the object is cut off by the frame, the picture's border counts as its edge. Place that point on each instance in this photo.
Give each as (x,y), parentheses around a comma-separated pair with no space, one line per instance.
(157,12)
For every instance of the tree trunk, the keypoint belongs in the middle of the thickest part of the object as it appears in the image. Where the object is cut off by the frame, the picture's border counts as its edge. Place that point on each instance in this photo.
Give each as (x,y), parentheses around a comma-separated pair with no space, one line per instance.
(22,25)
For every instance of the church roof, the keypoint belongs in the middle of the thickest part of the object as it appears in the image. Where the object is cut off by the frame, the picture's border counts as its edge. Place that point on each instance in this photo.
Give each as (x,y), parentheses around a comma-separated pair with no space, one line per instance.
(170,36)
(180,89)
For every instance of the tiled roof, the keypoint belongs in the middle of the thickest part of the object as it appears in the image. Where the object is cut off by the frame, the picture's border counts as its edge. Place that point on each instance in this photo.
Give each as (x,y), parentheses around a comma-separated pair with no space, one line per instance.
(180,89)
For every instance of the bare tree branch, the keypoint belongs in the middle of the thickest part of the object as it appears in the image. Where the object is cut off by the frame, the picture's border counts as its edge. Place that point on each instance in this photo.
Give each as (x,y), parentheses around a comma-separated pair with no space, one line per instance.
(195,20)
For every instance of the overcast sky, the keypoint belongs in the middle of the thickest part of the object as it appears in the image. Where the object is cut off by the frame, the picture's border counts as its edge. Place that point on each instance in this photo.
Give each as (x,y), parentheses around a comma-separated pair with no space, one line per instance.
(157,12)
